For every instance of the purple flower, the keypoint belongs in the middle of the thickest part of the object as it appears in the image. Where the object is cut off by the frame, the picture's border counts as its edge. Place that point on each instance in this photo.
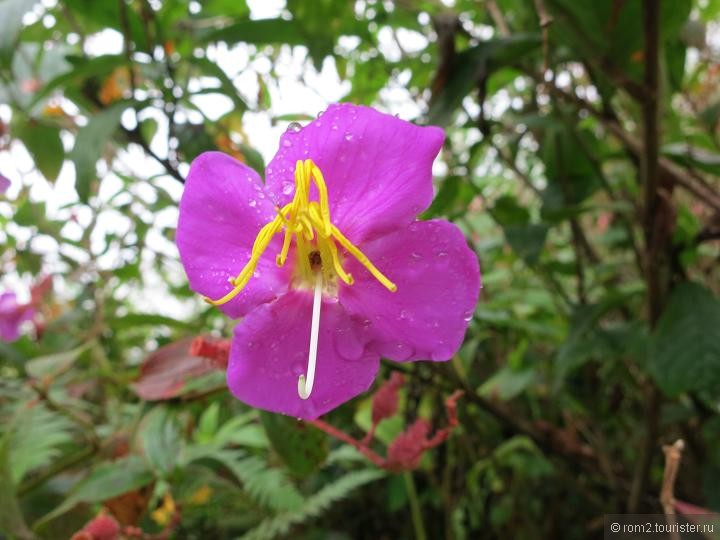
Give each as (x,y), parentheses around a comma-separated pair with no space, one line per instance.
(326,262)
(4,184)
(12,316)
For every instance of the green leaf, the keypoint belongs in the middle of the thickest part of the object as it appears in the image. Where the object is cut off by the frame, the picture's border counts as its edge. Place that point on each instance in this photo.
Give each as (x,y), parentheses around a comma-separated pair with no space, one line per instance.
(691,156)
(685,347)
(507,383)
(301,447)
(453,196)
(43,144)
(53,364)
(81,70)
(11,24)
(12,521)
(89,145)
(37,439)
(476,64)
(161,440)
(314,505)
(259,32)
(134,320)
(526,239)
(269,486)
(108,480)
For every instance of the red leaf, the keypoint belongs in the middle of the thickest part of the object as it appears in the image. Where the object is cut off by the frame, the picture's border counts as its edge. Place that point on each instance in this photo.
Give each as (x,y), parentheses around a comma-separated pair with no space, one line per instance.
(165,372)
(406,450)
(385,400)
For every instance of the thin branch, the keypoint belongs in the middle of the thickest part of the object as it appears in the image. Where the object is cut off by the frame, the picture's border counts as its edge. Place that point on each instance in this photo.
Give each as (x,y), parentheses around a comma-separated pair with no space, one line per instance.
(673,454)
(497,17)
(656,212)
(545,21)
(674,172)
(135,136)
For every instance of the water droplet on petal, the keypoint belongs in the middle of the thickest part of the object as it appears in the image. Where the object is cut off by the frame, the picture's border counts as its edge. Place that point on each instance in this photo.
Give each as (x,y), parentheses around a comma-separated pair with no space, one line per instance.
(252,203)
(416,256)
(287,188)
(401,352)
(348,136)
(441,254)
(286,143)
(294,127)
(347,344)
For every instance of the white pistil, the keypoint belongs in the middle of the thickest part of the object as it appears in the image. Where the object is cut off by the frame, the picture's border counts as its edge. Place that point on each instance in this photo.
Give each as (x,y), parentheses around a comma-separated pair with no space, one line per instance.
(305,386)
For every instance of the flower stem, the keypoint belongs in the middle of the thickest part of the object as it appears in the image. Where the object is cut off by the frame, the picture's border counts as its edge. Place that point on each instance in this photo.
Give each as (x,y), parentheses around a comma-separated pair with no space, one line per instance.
(414,506)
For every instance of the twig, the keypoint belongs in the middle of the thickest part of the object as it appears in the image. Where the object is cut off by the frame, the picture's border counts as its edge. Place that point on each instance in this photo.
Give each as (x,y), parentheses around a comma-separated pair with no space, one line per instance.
(656,211)
(376,459)
(135,136)
(674,172)
(545,21)
(497,17)
(673,454)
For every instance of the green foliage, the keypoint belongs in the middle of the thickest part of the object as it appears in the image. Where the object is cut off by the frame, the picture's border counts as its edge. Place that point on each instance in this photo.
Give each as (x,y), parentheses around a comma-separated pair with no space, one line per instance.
(89,145)
(313,506)
(302,448)
(685,351)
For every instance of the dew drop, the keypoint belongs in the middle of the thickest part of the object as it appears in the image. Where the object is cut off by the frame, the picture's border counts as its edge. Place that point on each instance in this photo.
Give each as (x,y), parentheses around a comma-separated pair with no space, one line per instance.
(401,352)
(287,188)
(252,203)
(441,254)
(348,136)
(286,143)
(294,127)
(416,256)
(347,344)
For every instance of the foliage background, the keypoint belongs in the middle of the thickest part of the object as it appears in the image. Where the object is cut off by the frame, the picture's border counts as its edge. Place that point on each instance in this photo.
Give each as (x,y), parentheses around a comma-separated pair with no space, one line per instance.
(596,339)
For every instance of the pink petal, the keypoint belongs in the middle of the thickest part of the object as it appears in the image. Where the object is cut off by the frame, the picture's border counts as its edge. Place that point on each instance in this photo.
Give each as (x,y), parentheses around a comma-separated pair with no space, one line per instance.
(12,316)
(378,168)
(222,209)
(4,184)
(270,351)
(438,279)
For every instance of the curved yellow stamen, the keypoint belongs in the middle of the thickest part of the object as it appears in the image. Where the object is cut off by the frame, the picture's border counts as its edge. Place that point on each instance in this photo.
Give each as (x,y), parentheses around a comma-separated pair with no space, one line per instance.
(310,224)
(362,259)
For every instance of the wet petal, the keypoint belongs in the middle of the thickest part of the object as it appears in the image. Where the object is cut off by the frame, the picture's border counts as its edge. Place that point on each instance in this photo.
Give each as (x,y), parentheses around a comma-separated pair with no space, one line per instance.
(378,168)
(438,280)
(270,351)
(222,209)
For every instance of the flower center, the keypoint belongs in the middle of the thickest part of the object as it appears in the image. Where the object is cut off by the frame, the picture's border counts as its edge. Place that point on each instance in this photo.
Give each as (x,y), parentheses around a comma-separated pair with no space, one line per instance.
(316,239)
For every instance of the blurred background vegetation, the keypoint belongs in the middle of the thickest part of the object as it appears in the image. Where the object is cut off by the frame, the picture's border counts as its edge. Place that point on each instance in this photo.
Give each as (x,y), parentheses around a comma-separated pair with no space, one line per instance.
(582,162)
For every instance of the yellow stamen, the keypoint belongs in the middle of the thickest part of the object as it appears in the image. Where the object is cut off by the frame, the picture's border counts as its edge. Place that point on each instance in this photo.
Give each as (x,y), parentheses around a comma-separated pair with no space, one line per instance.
(310,224)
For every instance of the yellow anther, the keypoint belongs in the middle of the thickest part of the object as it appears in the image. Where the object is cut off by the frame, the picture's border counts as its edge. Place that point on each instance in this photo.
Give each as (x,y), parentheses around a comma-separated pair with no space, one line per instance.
(362,259)
(310,224)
